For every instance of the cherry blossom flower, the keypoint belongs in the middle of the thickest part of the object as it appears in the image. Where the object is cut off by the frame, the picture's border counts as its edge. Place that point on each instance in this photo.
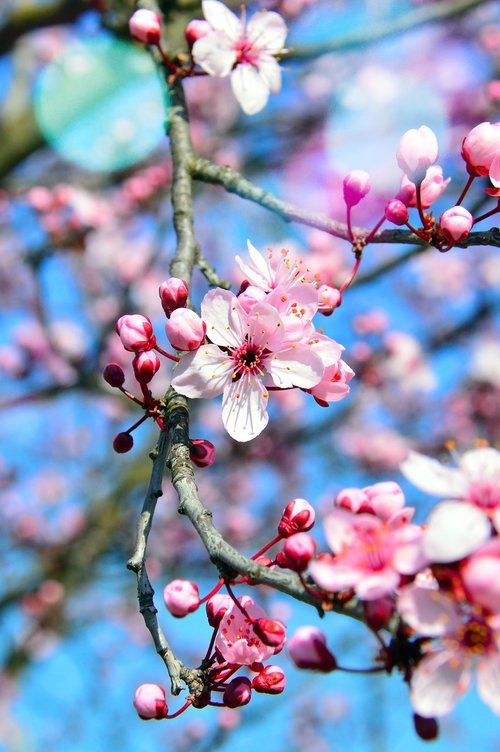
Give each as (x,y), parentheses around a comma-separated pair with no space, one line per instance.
(465,639)
(249,353)
(460,525)
(417,151)
(369,556)
(236,640)
(244,51)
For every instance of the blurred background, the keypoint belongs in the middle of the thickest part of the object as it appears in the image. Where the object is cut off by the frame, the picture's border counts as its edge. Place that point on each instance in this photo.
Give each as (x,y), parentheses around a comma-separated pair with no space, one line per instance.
(86,236)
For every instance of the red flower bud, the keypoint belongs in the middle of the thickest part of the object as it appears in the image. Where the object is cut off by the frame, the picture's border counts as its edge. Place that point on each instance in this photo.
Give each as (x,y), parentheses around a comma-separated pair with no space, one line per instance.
(149,701)
(113,374)
(270,631)
(298,516)
(216,608)
(136,332)
(356,185)
(298,550)
(238,692)
(396,212)
(202,452)
(123,442)
(307,649)
(426,728)
(271,681)
(145,26)
(173,294)
(146,364)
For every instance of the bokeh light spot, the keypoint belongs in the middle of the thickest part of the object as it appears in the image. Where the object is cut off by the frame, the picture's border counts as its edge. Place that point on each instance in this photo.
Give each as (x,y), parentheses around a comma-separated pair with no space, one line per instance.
(100,104)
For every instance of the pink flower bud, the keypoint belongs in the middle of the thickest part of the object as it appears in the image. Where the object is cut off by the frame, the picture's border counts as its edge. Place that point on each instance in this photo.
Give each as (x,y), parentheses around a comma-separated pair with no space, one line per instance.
(385,498)
(455,223)
(298,516)
(480,146)
(136,332)
(328,299)
(145,26)
(181,597)
(379,612)
(426,728)
(431,188)
(353,499)
(271,631)
(123,442)
(396,212)
(270,681)
(250,296)
(494,175)
(174,293)
(298,550)
(417,151)
(146,364)
(238,692)
(185,329)
(113,374)
(216,608)
(149,701)
(307,649)
(202,452)
(356,185)
(196,29)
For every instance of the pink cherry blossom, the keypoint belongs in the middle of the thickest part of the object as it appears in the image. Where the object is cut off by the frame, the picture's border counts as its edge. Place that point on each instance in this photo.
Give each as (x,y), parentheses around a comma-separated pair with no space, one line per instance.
(385,500)
(417,151)
(480,146)
(465,639)
(369,555)
(456,223)
(275,270)
(249,353)
(243,50)
(236,640)
(271,680)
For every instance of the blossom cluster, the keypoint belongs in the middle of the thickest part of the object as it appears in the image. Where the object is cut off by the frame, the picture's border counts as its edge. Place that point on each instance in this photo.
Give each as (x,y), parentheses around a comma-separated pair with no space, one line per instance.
(242,346)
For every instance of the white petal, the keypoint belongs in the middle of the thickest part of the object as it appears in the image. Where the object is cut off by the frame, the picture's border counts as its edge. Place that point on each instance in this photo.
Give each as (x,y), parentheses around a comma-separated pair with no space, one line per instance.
(432,477)
(222,19)
(454,530)
(437,684)
(258,272)
(249,88)
(299,366)
(429,612)
(203,373)
(267,30)
(215,54)
(244,408)
(488,681)
(224,317)
(481,464)
(270,72)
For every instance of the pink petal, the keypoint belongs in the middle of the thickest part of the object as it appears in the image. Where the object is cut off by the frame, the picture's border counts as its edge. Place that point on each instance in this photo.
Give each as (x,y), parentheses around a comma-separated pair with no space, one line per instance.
(333,577)
(203,373)
(373,586)
(341,528)
(488,681)
(258,272)
(409,556)
(432,477)
(428,612)
(267,30)
(438,682)
(215,54)
(222,19)
(244,408)
(264,327)
(298,366)
(249,88)
(454,530)
(224,317)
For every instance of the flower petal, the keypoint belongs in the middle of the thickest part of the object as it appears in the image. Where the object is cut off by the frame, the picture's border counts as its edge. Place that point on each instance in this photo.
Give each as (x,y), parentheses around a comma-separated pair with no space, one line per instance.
(267,30)
(433,477)
(264,327)
(270,72)
(297,366)
(333,577)
(203,373)
(439,680)
(488,681)
(249,88)
(454,530)
(222,19)
(429,612)
(244,408)
(215,54)
(224,317)
(481,464)
(373,586)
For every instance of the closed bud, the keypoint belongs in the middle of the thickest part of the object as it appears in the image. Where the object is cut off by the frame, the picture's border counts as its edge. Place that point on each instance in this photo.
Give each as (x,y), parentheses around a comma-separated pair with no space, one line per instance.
(356,185)
(196,29)
(328,299)
(136,332)
(146,364)
(426,728)
(181,597)
(298,516)
(185,330)
(480,146)
(202,452)
(123,442)
(270,681)
(174,293)
(417,151)
(145,26)
(149,701)
(455,223)
(271,631)
(238,692)
(113,374)
(307,649)
(216,607)
(298,550)
(379,612)
(396,212)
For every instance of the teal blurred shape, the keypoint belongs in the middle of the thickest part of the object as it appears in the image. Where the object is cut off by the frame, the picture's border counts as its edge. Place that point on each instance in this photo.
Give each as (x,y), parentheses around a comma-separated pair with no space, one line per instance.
(100,104)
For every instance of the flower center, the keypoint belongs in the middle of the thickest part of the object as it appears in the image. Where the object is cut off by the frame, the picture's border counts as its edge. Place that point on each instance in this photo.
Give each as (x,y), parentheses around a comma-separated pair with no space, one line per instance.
(246,52)
(485,494)
(475,637)
(248,359)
